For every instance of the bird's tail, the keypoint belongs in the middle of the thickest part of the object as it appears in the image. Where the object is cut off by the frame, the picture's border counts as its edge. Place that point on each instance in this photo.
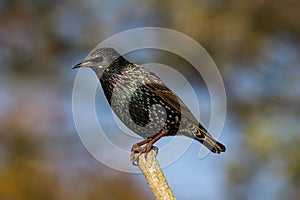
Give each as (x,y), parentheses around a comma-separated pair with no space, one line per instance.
(208,141)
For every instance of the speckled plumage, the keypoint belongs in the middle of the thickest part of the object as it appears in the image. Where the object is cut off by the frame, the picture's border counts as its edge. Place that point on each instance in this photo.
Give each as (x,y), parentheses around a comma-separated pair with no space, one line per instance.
(143,102)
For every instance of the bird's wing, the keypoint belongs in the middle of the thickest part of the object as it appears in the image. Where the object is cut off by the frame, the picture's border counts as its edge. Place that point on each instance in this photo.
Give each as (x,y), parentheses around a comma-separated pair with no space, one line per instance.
(167,96)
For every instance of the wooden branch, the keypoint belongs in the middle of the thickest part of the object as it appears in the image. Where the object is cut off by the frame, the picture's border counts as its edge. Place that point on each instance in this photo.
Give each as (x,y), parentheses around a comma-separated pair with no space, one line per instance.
(154,176)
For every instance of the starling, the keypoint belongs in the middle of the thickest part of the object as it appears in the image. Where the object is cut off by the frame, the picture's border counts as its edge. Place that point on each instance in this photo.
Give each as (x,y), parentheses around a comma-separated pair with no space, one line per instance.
(144,103)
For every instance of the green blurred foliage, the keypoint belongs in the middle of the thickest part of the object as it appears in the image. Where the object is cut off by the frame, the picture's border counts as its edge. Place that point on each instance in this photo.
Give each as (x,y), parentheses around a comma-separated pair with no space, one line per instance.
(254,43)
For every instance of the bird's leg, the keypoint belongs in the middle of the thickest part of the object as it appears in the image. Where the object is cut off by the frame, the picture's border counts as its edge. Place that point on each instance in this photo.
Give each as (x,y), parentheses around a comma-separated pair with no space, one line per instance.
(137,149)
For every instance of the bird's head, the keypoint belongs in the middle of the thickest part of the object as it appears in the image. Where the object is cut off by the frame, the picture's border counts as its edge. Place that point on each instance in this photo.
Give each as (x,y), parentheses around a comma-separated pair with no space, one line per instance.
(99,59)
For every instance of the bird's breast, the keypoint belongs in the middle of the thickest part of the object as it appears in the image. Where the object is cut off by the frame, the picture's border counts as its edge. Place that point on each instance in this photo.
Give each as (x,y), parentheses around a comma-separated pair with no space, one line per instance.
(139,108)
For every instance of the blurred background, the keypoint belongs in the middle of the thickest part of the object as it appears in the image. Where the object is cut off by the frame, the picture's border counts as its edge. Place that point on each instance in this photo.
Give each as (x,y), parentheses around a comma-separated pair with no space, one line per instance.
(255,45)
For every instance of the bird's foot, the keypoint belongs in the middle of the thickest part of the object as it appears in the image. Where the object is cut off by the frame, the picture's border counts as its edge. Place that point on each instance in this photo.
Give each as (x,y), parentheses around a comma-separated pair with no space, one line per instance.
(137,151)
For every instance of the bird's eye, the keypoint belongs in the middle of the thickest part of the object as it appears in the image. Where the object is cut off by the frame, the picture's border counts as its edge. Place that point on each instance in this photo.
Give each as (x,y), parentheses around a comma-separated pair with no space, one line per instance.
(98,59)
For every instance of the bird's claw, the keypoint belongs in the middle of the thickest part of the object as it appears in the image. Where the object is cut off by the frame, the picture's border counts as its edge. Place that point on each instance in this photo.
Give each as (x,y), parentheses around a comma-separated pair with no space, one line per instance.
(135,154)
(137,151)
(155,149)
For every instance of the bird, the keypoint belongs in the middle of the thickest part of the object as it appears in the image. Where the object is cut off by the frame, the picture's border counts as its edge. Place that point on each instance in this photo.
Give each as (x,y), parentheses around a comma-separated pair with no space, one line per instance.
(144,103)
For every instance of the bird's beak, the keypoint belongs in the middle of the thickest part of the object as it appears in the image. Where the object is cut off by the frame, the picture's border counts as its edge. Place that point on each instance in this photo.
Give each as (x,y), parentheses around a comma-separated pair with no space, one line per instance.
(85,63)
